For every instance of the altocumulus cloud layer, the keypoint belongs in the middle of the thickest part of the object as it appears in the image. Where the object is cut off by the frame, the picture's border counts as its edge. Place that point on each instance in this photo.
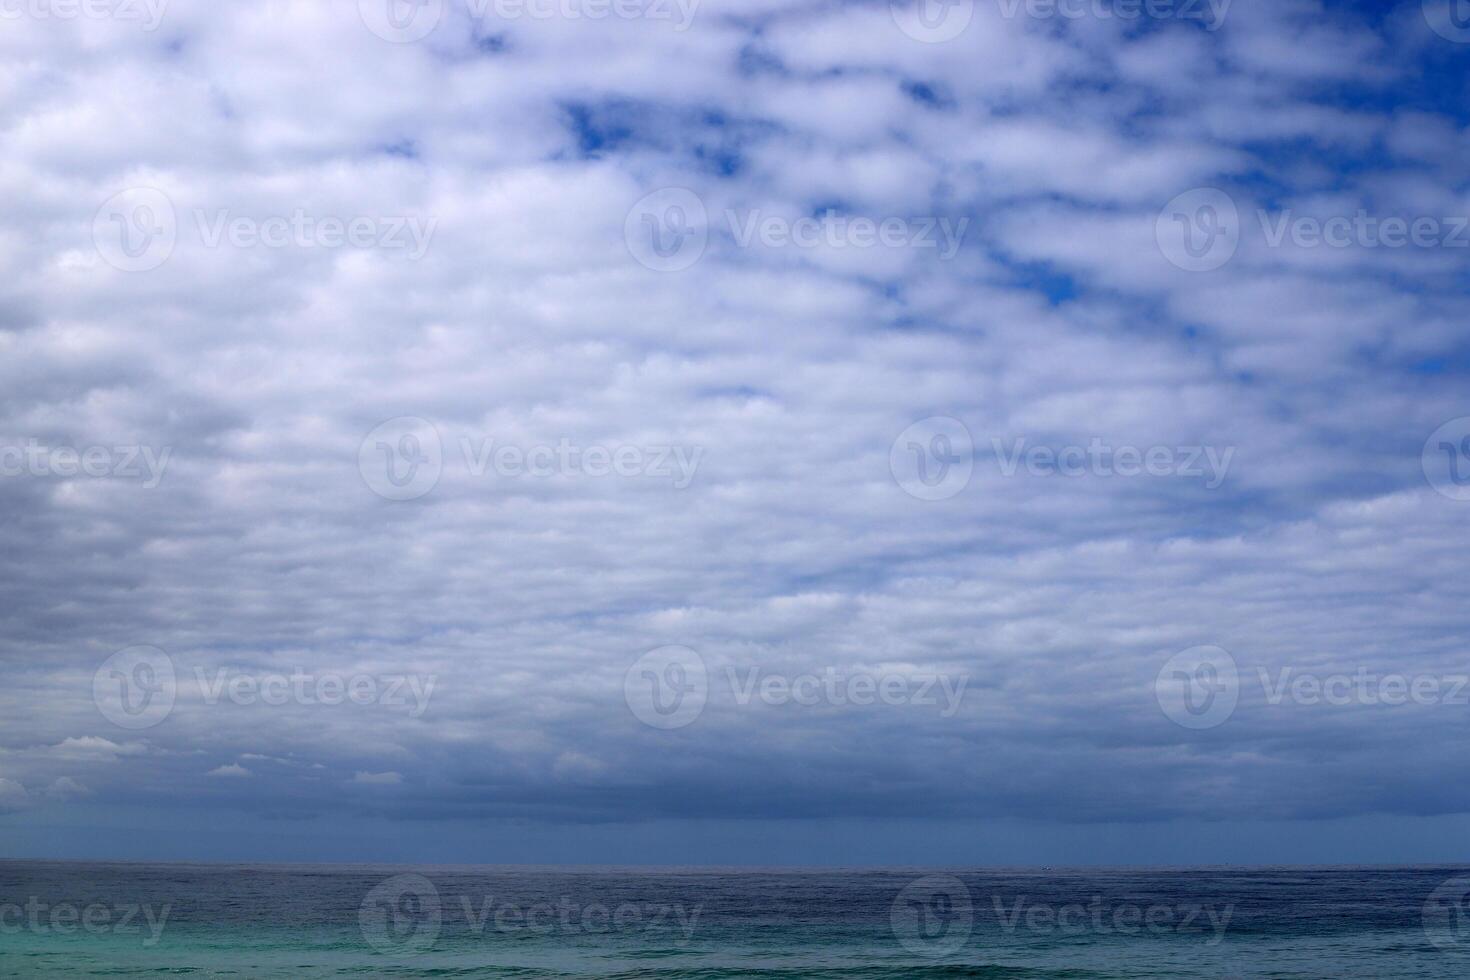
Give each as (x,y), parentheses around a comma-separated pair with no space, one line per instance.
(468,352)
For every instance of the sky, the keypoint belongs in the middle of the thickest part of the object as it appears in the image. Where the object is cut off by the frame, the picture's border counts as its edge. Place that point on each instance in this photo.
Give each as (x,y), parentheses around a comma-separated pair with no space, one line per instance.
(760,432)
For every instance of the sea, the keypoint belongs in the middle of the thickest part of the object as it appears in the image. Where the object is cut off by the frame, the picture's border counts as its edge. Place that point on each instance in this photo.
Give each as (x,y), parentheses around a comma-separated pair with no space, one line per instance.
(81,919)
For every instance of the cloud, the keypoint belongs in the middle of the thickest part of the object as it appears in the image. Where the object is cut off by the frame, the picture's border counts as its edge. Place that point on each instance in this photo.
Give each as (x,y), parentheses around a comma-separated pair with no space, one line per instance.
(13,795)
(94,748)
(66,788)
(232,770)
(377,778)
(475,640)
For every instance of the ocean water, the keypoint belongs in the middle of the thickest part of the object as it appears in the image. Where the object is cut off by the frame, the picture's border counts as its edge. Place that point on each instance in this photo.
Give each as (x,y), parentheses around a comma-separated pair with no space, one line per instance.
(94,919)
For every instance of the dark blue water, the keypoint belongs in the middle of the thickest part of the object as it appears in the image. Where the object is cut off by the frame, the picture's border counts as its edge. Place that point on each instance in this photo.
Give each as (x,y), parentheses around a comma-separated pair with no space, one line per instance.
(81,919)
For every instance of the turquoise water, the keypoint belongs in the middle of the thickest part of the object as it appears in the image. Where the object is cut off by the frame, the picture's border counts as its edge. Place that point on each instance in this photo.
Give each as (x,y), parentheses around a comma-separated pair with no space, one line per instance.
(77,919)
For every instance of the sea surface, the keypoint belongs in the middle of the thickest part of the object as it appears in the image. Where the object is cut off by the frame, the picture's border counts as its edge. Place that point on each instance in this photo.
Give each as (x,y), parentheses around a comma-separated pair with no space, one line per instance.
(70,919)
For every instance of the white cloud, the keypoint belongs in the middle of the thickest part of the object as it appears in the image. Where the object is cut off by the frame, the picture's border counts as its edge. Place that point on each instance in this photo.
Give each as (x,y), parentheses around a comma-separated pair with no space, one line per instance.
(66,788)
(528,322)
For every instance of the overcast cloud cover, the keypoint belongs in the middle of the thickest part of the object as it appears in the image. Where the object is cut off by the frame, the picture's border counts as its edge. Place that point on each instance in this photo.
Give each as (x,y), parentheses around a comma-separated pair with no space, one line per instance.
(512,284)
